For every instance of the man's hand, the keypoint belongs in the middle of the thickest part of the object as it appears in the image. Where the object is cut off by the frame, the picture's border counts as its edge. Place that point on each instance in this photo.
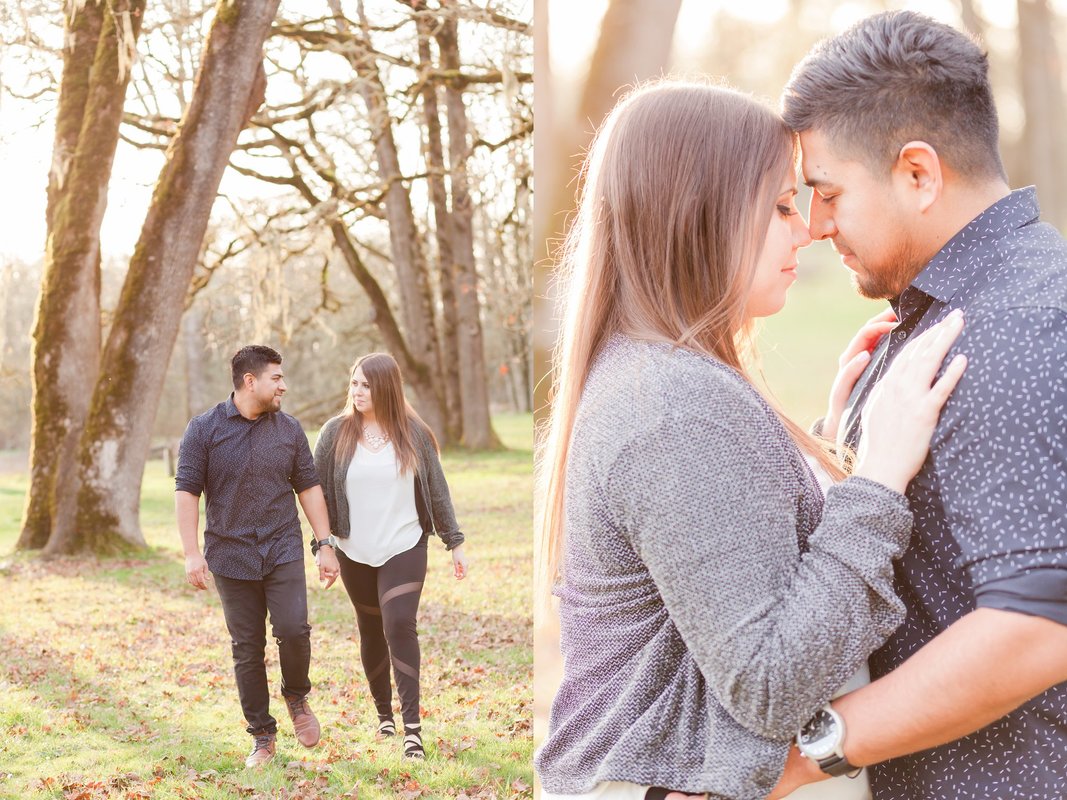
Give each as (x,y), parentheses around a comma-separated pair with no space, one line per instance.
(196,571)
(851,365)
(329,569)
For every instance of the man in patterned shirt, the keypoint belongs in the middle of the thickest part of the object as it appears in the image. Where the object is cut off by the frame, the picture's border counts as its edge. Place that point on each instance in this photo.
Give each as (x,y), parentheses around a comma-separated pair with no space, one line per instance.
(899,137)
(248,458)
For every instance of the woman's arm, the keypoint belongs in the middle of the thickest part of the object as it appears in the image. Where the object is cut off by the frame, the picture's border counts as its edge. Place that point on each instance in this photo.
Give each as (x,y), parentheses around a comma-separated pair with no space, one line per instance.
(773,632)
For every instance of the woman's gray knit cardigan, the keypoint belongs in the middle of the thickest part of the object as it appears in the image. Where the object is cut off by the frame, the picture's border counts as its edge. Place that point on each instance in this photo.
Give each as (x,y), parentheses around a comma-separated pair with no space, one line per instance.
(710,603)
(429,474)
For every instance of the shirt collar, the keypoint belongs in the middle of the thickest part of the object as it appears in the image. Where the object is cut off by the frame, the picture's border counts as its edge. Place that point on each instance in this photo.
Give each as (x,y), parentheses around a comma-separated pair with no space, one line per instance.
(231,407)
(951,269)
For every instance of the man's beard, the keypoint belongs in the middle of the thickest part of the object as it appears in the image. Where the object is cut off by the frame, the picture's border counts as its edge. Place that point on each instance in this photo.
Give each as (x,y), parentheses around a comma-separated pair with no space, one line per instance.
(272,403)
(892,276)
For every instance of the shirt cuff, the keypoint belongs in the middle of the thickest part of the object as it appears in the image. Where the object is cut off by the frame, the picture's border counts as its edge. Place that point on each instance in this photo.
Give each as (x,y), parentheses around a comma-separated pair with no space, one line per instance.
(309,484)
(1040,592)
(191,488)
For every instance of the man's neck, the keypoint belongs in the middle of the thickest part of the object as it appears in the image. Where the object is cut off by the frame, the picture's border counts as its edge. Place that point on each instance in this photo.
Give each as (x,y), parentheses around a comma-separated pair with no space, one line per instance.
(959,205)
(247,405)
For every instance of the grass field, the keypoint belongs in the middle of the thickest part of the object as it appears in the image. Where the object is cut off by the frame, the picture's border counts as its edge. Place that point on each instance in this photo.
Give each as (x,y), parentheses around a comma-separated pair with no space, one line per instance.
(116,680)
(800,345)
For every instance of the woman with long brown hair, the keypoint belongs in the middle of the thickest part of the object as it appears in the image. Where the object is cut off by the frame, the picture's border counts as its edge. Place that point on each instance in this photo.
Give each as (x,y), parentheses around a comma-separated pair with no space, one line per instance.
(711,599)
(386,493)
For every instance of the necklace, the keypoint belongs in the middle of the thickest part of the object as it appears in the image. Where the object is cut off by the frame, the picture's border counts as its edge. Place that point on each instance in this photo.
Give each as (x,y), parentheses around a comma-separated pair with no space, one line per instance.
(375,441)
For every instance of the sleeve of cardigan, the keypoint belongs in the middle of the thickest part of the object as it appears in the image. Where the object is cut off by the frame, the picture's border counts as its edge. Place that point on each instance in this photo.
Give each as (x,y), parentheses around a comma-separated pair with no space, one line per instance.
(444,515)
(773,632)
(324,466)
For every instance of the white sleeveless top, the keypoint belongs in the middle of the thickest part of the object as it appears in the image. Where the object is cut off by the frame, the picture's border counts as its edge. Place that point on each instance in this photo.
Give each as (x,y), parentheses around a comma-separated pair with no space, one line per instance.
(381,508)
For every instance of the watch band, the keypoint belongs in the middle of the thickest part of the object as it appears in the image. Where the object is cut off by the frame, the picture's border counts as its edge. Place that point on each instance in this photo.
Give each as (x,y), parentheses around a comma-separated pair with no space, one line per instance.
(838,765)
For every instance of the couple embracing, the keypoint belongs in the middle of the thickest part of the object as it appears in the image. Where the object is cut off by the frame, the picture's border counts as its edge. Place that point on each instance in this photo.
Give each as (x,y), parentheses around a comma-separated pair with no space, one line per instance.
(373,494)
(714,598)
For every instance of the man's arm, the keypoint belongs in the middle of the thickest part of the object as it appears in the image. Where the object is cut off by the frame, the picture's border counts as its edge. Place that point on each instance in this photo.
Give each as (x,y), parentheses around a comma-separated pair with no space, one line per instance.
(973,673)
(314,504)
(979,669)
(990,459)
(187,509)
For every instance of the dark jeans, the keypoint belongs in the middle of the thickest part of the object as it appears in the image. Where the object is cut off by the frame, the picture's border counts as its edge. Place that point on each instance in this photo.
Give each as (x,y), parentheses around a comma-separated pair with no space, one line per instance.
(283,593)
(386,599)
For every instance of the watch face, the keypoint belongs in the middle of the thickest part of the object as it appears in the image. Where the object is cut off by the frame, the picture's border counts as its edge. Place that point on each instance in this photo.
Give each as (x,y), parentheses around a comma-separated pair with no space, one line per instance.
(818,739)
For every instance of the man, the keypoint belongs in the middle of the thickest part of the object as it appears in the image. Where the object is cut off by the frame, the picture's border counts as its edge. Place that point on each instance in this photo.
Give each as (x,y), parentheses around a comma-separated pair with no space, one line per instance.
(248,457)
(899,138)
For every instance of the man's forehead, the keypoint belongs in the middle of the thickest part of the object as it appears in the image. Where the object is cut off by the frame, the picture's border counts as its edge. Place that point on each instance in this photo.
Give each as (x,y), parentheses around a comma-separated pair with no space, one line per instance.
(823,165)
(816,160)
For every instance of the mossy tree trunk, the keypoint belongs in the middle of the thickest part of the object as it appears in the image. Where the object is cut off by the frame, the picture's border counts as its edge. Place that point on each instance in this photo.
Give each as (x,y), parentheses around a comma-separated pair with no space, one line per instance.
(114,446)
(99,46)
(474,385)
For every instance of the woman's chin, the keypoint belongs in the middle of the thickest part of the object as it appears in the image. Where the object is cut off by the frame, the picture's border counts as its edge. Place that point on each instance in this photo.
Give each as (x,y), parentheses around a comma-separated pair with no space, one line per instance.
(767,307)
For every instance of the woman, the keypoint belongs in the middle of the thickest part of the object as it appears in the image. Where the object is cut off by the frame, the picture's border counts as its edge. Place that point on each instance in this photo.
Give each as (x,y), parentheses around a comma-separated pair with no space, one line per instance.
(386,493)
(710,602)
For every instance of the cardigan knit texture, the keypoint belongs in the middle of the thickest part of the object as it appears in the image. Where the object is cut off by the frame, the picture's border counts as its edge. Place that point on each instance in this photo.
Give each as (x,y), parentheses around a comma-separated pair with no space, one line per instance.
(432,489)
(710,602)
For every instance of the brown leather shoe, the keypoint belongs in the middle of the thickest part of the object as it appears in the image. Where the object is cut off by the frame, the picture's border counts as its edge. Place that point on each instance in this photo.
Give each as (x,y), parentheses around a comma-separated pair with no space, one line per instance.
(262,751)
(305,725)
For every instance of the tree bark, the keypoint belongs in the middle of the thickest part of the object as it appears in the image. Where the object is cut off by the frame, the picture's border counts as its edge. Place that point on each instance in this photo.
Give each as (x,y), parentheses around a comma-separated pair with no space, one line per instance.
(478,431)
(972,21)
(405,244)
(1040,71)
(67,328)
(113,449)
(634,45)
(435,167)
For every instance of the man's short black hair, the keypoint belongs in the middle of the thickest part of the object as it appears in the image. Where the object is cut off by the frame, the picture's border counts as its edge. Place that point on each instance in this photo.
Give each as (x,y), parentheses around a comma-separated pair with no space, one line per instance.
(897,77)
(252,358)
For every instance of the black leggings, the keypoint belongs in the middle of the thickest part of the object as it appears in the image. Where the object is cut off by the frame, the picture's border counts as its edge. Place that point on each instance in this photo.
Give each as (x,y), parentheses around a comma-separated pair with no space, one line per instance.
(386,599)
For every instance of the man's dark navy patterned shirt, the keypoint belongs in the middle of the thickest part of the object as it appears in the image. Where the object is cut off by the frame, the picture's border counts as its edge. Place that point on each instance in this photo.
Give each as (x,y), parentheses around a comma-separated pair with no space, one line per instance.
(990,503)
(248,471)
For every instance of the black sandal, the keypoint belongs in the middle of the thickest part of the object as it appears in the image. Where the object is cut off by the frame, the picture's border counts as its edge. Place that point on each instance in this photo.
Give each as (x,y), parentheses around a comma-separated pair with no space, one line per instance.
(413,742)
(386,727)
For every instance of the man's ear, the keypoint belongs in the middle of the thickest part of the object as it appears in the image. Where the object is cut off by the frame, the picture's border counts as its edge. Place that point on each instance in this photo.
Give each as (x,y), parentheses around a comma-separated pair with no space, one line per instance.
(249,379)
(917,172)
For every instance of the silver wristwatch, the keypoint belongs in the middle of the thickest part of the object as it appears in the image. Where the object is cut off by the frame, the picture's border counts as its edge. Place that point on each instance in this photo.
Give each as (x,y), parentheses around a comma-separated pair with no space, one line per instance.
(822,740)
